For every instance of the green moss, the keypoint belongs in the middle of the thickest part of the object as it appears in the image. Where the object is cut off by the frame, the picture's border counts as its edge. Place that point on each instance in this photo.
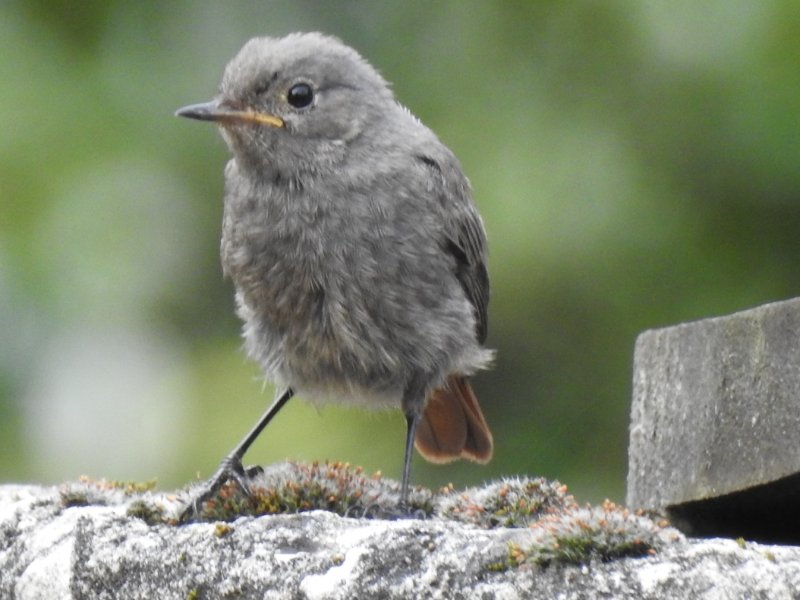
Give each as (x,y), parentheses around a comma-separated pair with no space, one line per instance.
(498,567)
(600,533)
(71,497)
(583,535)
(560,530)
(515,557)
(134,487)
(222,529)
(577,550)
(149,513)
(508,503)
(101,492)
(129,488)
(296,487)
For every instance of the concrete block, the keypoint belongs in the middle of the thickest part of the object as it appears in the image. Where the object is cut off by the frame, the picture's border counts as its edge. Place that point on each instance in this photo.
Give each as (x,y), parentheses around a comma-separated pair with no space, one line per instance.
(716,409)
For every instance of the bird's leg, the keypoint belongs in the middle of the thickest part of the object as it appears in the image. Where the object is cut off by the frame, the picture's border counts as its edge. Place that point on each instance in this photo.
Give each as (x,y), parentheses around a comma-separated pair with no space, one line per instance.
(412,418)
(231,466)
(413,402)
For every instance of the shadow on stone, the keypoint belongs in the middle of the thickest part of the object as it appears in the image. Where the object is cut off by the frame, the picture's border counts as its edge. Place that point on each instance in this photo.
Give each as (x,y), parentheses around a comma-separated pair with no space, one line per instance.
(766,513)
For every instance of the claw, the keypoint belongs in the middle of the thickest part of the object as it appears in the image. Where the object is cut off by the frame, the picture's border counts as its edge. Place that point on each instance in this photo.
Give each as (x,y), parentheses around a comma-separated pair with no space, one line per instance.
(230,469)
(231,466)
(253,471)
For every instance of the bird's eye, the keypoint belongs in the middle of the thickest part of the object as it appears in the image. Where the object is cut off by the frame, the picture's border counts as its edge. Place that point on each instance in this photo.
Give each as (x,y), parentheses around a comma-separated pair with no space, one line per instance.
(300,95)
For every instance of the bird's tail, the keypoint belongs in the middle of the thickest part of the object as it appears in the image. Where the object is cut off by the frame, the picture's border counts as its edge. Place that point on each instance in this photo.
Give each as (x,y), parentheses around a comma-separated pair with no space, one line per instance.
(452,425)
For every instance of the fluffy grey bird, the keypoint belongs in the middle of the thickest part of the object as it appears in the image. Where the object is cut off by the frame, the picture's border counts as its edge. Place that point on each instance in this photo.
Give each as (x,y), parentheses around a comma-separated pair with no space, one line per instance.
(358,256)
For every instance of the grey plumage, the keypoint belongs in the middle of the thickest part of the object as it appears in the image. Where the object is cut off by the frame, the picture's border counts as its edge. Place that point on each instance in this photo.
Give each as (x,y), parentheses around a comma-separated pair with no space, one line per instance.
(358,256)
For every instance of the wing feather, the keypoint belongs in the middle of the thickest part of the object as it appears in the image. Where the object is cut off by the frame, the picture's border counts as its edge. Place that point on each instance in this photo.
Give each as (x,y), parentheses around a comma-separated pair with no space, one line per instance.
(464,237)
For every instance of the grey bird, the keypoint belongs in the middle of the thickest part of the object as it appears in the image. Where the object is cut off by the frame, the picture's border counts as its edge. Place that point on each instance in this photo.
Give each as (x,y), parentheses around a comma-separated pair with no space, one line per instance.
(356,251)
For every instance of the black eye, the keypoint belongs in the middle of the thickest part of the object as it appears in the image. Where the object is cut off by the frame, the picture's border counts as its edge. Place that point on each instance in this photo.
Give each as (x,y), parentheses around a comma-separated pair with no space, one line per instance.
(300,95)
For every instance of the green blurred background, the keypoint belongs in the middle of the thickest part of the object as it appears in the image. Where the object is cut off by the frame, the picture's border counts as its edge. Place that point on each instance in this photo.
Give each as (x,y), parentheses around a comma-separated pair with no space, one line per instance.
(637,164)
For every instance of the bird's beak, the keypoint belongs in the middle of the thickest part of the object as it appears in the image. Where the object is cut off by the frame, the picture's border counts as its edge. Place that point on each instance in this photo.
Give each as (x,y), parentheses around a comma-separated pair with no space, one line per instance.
(218,112)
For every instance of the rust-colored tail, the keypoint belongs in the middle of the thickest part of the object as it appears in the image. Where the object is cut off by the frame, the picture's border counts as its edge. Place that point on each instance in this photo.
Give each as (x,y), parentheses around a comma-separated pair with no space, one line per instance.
(452,425)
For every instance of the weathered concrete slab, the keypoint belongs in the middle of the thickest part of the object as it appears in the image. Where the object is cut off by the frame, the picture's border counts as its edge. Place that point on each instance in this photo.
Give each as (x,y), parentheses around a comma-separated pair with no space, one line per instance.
(101,552)
(716,408)
(513,539)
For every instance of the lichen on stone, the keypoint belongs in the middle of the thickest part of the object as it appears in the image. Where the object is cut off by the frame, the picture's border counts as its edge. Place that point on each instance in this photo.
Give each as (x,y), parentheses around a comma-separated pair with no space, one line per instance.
(560,531)
(606,532)
(513,502)
(294,487)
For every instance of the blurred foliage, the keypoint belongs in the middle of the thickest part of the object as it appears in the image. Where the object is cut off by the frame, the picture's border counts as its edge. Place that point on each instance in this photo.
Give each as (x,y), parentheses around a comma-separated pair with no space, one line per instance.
(636,162)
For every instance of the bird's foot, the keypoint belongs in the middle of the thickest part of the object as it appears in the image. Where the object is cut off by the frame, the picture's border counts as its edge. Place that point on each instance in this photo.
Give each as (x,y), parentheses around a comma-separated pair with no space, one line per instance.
(230,469)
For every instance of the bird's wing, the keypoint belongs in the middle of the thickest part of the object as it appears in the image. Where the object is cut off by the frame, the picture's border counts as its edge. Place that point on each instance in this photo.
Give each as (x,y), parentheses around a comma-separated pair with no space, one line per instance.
(464,238)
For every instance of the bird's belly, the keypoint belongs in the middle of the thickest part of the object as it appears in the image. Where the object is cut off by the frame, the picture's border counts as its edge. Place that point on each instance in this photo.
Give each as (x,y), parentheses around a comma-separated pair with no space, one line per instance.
(304,350)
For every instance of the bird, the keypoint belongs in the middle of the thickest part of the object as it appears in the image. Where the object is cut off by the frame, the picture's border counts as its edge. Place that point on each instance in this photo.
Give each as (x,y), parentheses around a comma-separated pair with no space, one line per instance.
(357,254)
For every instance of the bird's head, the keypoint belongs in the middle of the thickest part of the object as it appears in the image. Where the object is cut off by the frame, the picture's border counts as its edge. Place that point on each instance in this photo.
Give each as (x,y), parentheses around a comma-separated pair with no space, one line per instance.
(292,105)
